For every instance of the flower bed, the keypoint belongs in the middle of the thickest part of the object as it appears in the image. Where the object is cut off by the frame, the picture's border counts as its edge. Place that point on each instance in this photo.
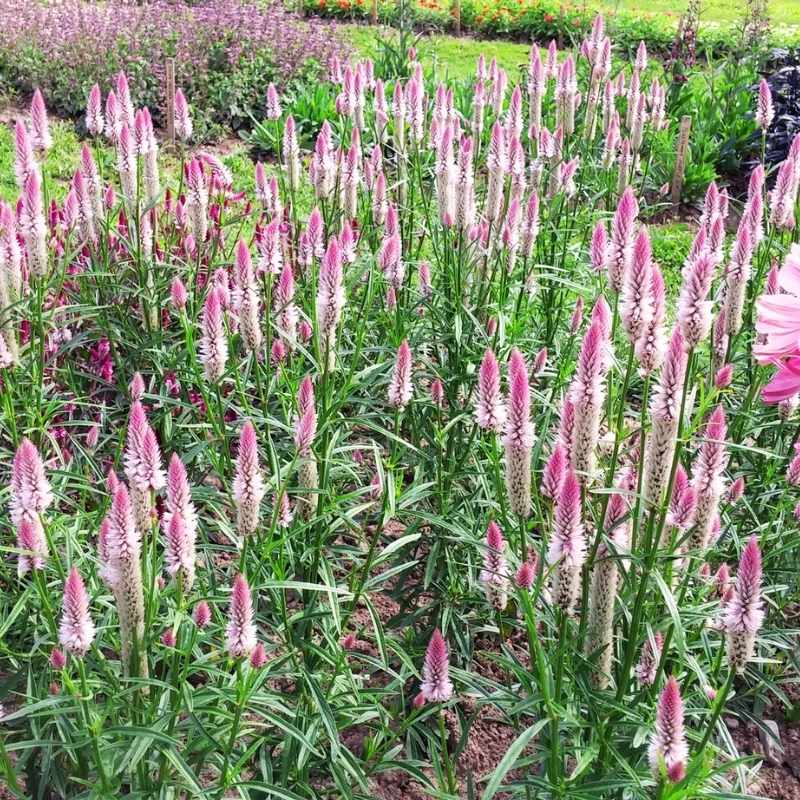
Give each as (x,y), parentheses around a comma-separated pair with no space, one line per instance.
(538,20)
(225,52)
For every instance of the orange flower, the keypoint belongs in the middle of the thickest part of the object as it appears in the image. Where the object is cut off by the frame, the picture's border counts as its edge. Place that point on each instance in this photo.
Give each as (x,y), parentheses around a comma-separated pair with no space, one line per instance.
(549,18)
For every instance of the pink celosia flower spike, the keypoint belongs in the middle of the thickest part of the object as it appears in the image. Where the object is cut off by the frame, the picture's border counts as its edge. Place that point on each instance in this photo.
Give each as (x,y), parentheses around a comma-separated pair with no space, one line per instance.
(248,484)
(647,667)
(519,435)
(40,128)
(76,633)
(764,108)
(668,750)
(587,393)
(603,589)
(33,226)
(622,239)
(330,299)
(694,309)
(32,543)
(202,614)
(568,545)
(400,387)
(707,479)
(636,299)
(555,471)
(124,549)
(436,685)
(665,413)
(214,341)
(30,490)
(652,343)
(179,552)
(744,613)
(490,410)
(240,635)
(494,575)
(142,453)
(183,117)
(94,112)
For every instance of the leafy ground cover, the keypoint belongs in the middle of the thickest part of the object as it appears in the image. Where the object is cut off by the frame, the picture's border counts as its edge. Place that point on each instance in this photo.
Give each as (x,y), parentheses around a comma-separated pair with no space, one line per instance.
(419,463)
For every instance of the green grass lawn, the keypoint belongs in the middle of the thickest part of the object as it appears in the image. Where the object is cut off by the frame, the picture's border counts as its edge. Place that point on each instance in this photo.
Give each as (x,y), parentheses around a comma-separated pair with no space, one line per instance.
(782,12)
(452,56)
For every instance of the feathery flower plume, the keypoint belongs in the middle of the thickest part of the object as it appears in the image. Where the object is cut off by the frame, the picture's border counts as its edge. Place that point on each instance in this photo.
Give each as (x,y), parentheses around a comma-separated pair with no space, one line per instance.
(555,470)
(736,490)
(126,165)
(603,590)
(291,153)
(179,552)
(183,117)
(765,111)
(390,258)
(330,299)
(142,453)
(782,198)
(694,309)
(201,615)
(665,413)
(76,632)
(744,612)
(599,249)
(668,749)
(214,341)
(124,549)
(682,504)
(94,112)
(497,164)
(622,239)
(652,343)
(494,575)
(197,201)
(645,670)
(240,635)
(436,685)
(723,376)
(178,294)
(518,438)
(400,388)
(586,394)
(568,545)
(465,185)
(32,543)
(526,574)
(33,226)
(179,499)
(635,295)
(530,225)
(30,490)
(24,159)
(490,409)
(106,570)
(285,308)
(247,301)
(94,184)
(707,481)
(40,128)
(248,484)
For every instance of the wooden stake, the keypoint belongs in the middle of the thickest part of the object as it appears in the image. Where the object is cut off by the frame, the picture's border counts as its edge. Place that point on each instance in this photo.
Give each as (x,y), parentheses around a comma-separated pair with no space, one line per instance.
(170,91)
(680,159)
(374,13)
(457,16)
